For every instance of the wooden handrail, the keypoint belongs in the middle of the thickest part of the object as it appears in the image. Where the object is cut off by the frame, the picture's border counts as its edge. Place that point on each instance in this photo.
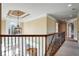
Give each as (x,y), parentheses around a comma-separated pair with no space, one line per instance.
(3,35)
(36,35)
(21,35)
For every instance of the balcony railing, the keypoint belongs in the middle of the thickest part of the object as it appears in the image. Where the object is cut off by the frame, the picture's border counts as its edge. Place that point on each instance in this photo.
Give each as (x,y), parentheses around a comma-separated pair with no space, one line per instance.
(56,41)
(31,45)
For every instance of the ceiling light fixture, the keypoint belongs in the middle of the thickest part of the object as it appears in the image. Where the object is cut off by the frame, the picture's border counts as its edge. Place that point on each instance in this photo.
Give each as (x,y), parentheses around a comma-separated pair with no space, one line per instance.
(69,5)
(18,14)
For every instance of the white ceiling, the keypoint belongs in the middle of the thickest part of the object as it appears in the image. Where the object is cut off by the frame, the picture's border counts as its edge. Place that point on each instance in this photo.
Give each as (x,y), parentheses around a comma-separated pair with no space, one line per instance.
(57,10)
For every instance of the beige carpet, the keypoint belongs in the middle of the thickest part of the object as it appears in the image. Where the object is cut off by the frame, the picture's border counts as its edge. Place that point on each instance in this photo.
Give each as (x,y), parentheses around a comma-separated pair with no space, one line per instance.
(69,48)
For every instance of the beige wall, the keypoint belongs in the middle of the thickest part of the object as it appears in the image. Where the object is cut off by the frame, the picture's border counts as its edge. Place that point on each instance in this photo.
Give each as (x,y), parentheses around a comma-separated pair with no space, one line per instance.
(37,26)
(42,25)
(3,26)
(51,25)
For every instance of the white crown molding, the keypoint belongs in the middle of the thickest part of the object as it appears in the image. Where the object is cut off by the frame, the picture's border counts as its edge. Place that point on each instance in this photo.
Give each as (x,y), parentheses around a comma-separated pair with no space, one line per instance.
(51,18)
(34,18)
(72,20)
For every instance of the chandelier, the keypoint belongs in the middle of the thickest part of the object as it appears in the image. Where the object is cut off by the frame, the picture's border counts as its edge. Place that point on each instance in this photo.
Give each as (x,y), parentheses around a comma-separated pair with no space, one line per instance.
(18,28)
(18,14)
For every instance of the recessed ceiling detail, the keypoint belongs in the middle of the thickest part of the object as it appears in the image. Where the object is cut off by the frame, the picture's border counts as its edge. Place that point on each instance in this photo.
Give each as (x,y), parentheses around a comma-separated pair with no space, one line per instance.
(15,13)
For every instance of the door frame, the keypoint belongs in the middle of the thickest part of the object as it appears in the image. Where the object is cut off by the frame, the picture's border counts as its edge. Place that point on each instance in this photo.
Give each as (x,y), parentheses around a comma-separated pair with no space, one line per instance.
(75,29)
(0,32)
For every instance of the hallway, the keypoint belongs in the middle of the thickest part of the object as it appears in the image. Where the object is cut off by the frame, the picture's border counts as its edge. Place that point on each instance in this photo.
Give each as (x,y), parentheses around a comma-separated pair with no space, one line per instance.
(69,48)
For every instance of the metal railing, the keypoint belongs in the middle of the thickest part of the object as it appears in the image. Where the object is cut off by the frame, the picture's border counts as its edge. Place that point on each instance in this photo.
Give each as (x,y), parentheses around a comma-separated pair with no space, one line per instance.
(55,43)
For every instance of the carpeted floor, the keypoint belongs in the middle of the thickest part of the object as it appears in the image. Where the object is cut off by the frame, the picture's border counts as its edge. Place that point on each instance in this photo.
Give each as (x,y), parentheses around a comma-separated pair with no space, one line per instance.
(69,48)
